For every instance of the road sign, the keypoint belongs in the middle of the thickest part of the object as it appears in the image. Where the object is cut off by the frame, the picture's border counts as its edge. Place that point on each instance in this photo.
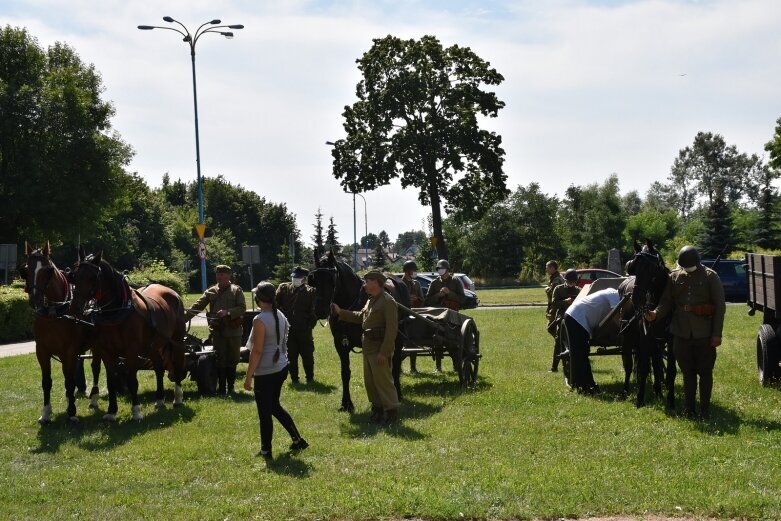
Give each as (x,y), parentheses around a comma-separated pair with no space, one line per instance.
(202,250)
(250,254)
(200,229)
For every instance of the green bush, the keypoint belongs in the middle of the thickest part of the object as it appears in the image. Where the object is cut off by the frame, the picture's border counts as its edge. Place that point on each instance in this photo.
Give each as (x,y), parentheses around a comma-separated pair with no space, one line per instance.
(16,317)
(158,273)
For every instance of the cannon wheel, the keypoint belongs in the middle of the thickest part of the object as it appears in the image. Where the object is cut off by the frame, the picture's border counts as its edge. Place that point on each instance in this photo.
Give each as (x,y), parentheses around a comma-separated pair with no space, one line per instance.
(205,374)
(469,354)
(768,354)
(566,361)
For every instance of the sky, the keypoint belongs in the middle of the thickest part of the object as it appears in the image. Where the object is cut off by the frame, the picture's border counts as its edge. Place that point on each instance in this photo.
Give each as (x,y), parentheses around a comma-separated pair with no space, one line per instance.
(591,88)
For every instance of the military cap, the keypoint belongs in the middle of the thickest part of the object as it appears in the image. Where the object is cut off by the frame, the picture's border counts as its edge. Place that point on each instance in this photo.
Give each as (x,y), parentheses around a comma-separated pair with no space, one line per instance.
(222,268)
(299,272)
(376,275)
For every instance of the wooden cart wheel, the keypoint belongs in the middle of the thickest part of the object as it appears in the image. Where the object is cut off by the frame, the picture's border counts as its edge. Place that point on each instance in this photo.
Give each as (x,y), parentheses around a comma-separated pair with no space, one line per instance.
(768,354)
(469,354)
(566,361)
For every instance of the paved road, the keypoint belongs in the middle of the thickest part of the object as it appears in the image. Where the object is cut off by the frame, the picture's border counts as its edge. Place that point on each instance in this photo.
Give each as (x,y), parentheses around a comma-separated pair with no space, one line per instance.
(23,348)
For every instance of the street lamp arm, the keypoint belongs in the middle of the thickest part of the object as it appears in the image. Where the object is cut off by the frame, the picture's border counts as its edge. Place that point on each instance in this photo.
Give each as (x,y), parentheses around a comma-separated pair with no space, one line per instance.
(150,27)
(215,29)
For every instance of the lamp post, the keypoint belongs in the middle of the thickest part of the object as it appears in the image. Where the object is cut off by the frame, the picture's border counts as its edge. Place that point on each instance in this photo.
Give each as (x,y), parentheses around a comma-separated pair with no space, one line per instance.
(191,40)
(365,221)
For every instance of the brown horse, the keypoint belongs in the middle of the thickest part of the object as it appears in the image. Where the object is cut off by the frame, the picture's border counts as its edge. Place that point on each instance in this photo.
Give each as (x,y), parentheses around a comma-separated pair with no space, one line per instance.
(55,335)
(142,327)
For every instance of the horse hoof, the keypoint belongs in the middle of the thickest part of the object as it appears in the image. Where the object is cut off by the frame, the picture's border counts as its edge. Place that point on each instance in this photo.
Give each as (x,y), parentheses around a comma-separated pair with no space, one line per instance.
(44,421)
(73,420)
(112,418)
(160,405)
(93,406)
(347,408)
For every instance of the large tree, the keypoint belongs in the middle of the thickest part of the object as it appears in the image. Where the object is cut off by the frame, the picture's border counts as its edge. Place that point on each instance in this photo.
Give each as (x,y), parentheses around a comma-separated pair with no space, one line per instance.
(61,164)
(417,119)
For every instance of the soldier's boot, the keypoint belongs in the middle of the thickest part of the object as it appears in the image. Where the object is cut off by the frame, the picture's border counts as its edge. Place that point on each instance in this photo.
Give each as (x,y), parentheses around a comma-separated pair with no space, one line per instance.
(689,393)
(221,380)
(377,414)
(230,377)
(413,364)
(391,416)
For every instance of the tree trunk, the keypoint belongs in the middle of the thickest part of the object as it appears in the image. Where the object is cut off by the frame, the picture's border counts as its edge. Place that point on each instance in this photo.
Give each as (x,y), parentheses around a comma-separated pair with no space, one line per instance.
(436,217)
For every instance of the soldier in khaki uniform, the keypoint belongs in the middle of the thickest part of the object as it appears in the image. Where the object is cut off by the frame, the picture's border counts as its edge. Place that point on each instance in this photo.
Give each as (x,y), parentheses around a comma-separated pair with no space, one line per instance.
(695,296)
(415,299)
(226,312)
(296,300)
(445,291)
(563,295)
(379,321)
(554,279)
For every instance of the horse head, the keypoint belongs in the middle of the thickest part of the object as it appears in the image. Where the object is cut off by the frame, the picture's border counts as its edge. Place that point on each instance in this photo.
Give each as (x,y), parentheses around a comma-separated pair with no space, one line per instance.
(89,281)
(334,281)
(43,281)
(650,274)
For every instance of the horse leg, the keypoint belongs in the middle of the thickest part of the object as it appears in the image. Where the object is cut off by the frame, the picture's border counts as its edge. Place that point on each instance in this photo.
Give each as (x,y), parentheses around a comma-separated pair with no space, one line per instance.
(70,368)
(159,392)
(658,367)
(46,385)
(79,378)
(643,358)
(396,366)
(94,393)
(112,377)
(344,360)
(628,361)
(132,385)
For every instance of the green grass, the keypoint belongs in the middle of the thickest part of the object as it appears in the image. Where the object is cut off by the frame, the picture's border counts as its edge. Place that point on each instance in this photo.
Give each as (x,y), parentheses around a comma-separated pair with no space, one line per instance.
(519,446)
(512,296)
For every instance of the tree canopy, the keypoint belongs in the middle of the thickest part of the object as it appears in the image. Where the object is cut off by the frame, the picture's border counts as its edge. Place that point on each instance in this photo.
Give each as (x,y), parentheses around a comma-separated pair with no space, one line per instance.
(61,165)
(417,119)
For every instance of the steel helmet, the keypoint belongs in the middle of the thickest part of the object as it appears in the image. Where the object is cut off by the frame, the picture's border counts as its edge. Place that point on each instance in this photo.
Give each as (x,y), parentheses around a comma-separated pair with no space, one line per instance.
(410,265)
(688,257)
(571,275)
(443,264)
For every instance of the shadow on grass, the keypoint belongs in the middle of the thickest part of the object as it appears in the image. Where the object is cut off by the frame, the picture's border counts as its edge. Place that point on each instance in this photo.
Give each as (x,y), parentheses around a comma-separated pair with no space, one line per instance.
(439,384)
(51,437)
(360,427)
(289,465)
(313,387)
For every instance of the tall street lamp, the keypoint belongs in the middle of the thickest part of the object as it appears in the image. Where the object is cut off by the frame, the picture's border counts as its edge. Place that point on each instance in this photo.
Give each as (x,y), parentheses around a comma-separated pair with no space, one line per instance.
(213,27)
(355,226)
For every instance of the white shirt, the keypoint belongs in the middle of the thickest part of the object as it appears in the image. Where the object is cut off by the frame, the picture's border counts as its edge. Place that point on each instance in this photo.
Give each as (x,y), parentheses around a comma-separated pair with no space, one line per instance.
(590,310)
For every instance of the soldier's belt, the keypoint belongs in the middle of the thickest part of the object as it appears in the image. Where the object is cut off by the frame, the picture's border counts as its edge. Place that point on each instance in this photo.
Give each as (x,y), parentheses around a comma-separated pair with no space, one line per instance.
(375,333)
(701,310)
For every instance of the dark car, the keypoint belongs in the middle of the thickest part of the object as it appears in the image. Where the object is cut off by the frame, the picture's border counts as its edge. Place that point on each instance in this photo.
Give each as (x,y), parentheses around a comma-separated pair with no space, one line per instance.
(426,278)
(732,273)
(589,275)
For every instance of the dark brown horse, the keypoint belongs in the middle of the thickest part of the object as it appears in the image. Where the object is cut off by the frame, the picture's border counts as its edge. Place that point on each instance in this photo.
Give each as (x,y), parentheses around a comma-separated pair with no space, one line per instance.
(141,327)
(335,281)
(55,335)
(646,343)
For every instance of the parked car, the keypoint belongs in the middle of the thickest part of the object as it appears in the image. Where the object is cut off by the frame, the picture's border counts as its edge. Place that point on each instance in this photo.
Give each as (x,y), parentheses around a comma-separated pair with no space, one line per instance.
(589,275)
(732,273)
(425,279)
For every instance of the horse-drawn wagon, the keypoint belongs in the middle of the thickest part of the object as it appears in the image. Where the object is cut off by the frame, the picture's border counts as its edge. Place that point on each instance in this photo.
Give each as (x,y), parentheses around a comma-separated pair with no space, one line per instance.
(764,294)
(441,331)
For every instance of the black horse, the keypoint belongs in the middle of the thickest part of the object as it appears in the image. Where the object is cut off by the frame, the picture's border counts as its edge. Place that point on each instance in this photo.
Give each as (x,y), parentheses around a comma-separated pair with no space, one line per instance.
(335,281)
(647,341)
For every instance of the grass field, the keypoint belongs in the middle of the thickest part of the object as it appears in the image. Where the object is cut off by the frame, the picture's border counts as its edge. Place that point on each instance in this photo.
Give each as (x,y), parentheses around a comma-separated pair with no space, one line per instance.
(520,446)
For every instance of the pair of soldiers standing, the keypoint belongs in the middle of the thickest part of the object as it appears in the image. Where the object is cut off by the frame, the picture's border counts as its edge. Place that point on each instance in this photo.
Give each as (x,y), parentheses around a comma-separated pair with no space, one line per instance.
(226,309)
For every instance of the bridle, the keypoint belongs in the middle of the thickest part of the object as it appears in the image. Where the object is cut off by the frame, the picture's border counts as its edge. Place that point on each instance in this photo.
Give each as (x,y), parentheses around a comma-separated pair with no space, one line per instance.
(44,288)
